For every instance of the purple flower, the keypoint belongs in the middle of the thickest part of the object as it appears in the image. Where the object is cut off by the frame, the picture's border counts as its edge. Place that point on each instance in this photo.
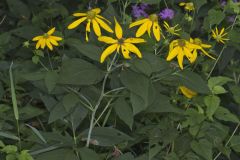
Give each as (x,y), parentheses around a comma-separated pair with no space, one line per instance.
(144,6)
(167,13)
(231,19)
(138,11)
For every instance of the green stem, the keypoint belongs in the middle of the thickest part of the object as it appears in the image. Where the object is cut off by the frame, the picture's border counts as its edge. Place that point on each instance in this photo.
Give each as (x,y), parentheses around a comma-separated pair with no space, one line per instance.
(74,138)
(49,60)
(99,100)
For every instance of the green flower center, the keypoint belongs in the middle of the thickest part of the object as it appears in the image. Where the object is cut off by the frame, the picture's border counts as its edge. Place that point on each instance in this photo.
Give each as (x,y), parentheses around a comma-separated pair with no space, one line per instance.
(197,41)
(91,14)
(121,41)
(45,36)
(153,17)
(181,42)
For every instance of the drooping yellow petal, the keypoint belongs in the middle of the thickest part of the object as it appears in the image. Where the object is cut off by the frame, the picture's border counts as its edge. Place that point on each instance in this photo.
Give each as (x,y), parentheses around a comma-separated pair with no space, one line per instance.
(187,92)
(43,43)
(96,28)
(104,25)
(134,40)
(173,53)
(125,52)
(96,10)
(139,22)
(134,49)
(118,29)
(79,14)
(49,45)
(56,38)
(88,29)
(109,50)
(188,54)
(207,54)
(156,31)
(180,58)
(38,43)
(108,40)
(194,56)
(206,45)
(36,38)
(51,31)
(142,29)
(149,28)
(53,41)
(76,23)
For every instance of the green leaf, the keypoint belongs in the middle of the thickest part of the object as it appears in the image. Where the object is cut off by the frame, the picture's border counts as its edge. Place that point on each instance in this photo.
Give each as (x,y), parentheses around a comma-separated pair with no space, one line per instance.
(57,154)
(57,112)
(91,51)
(79,72)
(154,151)
(24,155)
(69,101)
(203,148)
(212,103)
(19,9)
(9,149)
(124,111)
(8,135)
(236,93)
(172,156)
(218,90)
(35,59)
(234,143)
(106,136)
(225,115)
(126,156)
(218,81)
(199,3)
(37,133)
(143,66)
(215,16)
(1,144)
(87,154)
(192,81)
(51,80)
(78,115)
(138,104)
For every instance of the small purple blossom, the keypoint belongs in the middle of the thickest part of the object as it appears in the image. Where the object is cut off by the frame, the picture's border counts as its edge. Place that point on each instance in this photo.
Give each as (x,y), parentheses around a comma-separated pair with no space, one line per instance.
(138,11)
(167,14)
(231,19)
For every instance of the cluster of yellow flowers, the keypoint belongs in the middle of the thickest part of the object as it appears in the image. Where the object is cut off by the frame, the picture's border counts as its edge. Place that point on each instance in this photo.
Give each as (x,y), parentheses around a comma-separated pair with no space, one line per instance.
(178,48)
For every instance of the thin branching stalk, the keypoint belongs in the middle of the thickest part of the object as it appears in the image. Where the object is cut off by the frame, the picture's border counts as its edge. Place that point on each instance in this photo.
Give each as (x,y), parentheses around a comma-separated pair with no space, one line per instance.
(100,99)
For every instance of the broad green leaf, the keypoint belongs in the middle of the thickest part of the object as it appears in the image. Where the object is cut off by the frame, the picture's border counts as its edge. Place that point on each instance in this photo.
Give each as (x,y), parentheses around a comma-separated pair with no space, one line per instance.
(8,135)
(9,149)
(192,81)
(218,81)
(218,90)
(106,136)
(19,9)
(78,115)
(143,66)
(37,133)
(89,50)
(24,155)
(225,115)
(1,144)
(126,156)
(57,154)
(154,151)
(138,104)
(79,72)
(51,80)
(57,112)
(212,103)
(69,101)
(234,143)
(124,111)
(236,93)
(27,32)
(203,148)
(215,16)
(87,154)
(172,156)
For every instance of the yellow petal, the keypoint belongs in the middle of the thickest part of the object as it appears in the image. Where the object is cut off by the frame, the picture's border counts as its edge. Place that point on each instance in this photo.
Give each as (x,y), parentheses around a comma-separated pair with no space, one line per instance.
(156,31)
(43,43)
(207,54)
(187,92)
(51,31)
(96,10)
(96,28)
(49,45)
(139,22)
(134,40)
(104,25)
(76,23)
(125,52)
(173,53)
(166,25)
(194,56)
(38,43)
(108,40)
(118,29)
(149,28)
(36,38)
(56,38)
(79,14)
(109,50)
(53,41)
(142,29)
(99,16)
(206,45)
(188,54)
(182,4)
(134,49)
(222,31)
(180,58)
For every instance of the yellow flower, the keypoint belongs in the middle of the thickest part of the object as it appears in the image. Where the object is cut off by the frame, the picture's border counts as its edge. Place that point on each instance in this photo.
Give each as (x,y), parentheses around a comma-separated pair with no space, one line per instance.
(187,92)
(187,6)
(47,40)
(219,36)
(92,17)
(181,48)
(172,30)
(146,25)
(126,44)
(198,42)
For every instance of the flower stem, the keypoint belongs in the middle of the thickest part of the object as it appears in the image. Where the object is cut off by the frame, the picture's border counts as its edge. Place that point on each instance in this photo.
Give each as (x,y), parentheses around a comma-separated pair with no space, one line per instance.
(99,100)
